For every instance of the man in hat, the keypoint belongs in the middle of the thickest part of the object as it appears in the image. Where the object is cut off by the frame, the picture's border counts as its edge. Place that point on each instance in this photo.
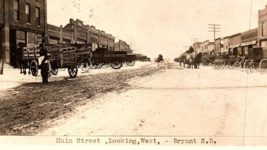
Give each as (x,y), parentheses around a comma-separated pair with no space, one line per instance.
(44,63)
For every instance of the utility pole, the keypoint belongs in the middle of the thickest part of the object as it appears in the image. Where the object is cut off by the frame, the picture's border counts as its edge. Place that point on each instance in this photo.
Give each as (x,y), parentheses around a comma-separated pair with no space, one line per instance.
(214,28)
(194,39)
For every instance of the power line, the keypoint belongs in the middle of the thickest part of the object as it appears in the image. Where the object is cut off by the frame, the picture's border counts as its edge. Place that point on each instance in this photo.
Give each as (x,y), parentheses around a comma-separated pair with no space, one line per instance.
(214,28)
(194,39)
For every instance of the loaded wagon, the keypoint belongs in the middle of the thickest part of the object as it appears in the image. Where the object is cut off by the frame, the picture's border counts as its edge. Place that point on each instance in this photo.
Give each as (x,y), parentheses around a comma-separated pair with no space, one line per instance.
(60,56)
(102,56)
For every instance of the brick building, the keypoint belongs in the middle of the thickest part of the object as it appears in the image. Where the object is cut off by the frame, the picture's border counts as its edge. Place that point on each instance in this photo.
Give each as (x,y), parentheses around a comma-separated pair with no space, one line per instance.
(77,32)
(21,21)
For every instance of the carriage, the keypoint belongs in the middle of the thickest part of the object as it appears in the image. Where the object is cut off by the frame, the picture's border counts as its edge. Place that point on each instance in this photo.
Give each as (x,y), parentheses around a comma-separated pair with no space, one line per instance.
(256,60)
(207,59)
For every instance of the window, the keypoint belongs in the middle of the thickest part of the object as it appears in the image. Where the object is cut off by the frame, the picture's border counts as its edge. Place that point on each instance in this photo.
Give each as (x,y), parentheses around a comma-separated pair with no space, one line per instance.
(37,15)
(16,10)
(263,29)
(27,11)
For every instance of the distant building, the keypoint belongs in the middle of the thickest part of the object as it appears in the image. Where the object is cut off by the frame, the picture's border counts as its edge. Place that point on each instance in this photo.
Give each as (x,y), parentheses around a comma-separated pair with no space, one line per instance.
(226,44)
(122,46)
(21,22)
(218,45)
(235,41)
(77,32)
(248,40)
(197,47)
(211,48)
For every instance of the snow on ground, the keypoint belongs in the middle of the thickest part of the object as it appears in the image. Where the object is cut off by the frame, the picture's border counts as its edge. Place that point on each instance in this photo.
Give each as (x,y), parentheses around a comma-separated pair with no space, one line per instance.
(12,77)
(180,102)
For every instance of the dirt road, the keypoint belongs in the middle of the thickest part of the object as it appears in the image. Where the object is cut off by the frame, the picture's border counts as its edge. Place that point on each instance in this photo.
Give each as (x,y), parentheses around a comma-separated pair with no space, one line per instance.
(227,105)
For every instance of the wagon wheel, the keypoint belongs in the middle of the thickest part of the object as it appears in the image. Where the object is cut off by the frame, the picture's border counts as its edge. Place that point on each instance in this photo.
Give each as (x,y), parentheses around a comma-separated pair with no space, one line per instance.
(263,66)
(242,62)
(251,67)
(116,64)
(236,65)
(34,68)
(207,62)
(54,71)
(100,65)
(85,65)
(130,62)
(246,65)
(73,71)
(224,66)
(93,64)
(214,65)
(230,66)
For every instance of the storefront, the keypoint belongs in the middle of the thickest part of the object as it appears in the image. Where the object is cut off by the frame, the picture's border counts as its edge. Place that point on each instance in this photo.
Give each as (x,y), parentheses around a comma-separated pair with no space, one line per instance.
(234,48)
(248,40)
(24,25)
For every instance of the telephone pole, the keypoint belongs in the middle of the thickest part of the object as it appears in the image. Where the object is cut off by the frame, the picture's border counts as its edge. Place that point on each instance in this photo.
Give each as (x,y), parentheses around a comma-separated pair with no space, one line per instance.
(214,28)
(194,39)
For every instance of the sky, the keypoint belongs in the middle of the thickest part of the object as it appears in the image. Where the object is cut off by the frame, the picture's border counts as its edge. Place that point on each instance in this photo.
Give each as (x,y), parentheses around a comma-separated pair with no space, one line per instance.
(154,27)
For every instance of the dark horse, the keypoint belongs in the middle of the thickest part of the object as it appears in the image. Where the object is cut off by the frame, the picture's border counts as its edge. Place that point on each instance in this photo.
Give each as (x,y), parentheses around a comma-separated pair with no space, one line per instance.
(198,60)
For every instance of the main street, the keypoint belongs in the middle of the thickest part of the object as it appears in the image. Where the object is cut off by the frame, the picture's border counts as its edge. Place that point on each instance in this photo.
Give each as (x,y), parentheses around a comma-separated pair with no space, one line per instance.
(227,105)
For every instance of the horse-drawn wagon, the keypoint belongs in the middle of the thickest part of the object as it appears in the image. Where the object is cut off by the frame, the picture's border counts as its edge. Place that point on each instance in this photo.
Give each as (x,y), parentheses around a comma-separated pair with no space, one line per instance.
(60,56)
(257,60)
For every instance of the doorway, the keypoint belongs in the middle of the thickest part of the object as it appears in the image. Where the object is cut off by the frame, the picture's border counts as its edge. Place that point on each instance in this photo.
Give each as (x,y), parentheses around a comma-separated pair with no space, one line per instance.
(13,47)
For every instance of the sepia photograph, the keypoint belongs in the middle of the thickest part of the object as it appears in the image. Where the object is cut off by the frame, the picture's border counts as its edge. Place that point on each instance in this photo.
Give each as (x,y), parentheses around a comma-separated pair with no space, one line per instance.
(133,73)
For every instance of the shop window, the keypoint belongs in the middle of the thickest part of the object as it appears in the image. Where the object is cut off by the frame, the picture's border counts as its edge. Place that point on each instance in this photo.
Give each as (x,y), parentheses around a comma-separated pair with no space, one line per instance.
(264,44)
(27,12)
(16,10)
(37,16)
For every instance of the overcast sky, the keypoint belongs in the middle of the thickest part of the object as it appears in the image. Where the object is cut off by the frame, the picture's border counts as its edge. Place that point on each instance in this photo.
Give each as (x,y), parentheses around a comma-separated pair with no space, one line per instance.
(155,27)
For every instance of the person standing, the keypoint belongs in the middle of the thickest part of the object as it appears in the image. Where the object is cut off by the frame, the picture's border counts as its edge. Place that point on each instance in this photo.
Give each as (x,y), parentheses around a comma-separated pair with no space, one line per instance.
(44,63)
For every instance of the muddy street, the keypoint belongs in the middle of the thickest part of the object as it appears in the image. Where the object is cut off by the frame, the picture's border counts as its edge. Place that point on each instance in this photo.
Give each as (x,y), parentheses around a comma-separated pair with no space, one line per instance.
(32,107)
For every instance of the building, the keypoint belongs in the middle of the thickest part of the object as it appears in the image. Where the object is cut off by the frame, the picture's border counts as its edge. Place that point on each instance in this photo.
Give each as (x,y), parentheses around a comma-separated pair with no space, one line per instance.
(211,48)
(122,46)
(205,46)
(197,47)
(77,32)
(234,47)
(202,47)
(21,21)
(262,27)
(226,44)
(248,40)
(218,45)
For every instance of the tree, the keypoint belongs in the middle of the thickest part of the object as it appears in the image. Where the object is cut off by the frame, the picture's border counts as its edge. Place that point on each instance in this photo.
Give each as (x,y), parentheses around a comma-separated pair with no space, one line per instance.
(191,49)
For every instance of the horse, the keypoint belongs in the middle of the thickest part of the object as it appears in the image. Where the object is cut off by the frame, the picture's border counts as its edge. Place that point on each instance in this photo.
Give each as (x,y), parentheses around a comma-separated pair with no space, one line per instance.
(198,60)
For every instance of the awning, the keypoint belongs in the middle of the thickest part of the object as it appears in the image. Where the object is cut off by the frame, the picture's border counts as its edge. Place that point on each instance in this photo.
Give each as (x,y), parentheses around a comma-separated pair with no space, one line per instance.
(208,51)
(234,46)
(249,43)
